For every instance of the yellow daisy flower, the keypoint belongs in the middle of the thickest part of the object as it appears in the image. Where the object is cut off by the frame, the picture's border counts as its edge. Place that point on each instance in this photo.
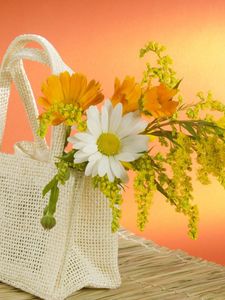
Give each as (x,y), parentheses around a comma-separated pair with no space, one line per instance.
(158,102)
(128,93)
(70,89)
(65,99)
(65,89)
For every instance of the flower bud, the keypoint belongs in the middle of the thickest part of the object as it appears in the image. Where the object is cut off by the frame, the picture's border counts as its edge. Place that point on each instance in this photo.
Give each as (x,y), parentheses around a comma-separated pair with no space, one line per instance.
(48,221)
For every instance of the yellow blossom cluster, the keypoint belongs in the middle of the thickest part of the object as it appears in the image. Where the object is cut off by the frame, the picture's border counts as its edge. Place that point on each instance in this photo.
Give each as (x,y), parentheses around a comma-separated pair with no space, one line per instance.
(112,191)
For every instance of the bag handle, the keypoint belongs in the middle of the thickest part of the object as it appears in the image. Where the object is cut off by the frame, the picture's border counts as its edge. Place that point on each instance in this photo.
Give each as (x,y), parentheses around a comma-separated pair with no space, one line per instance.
(32,54)
(12,70)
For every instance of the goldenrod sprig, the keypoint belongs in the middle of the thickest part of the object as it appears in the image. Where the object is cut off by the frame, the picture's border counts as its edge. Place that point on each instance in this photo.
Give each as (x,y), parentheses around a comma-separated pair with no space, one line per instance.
(72,114)
(164,71)
(112,191)
(145,187)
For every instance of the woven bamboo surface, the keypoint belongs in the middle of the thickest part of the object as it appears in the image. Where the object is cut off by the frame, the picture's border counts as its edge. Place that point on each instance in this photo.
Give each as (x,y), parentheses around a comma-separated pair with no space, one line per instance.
(151,272)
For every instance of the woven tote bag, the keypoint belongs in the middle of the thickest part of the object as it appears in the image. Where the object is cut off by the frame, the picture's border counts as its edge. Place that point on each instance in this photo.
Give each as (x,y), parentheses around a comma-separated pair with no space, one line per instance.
(80,251)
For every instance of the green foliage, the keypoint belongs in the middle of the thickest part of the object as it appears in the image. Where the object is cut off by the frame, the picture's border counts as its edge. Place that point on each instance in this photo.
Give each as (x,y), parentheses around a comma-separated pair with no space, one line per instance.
(68,160)
(163,71)
(151,175)
(144,186)
(211,159)
(63,174)
(186,140)
(179,189)
(206,102)
(112,191)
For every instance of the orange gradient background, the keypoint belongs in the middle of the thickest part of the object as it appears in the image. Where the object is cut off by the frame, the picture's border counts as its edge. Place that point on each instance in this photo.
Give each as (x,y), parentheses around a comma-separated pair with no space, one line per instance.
(101,39)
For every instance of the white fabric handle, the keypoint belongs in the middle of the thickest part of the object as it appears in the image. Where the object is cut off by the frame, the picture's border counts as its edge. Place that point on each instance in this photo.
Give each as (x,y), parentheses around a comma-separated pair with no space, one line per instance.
(56,63)
(12,69)
(33,54)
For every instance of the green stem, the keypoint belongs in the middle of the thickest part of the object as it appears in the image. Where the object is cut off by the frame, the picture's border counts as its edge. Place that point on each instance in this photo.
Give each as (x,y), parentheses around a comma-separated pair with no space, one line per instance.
(195,123)
(53,199)
(48,221)
(68,131)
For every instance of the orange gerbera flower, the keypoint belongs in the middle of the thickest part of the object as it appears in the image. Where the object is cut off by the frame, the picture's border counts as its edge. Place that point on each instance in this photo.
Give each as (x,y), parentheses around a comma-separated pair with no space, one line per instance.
(70,89)
(158,102)
(128,93)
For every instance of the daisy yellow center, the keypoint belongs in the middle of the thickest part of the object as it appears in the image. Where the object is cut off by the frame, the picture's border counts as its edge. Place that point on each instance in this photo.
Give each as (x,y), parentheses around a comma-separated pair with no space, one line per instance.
(108,144)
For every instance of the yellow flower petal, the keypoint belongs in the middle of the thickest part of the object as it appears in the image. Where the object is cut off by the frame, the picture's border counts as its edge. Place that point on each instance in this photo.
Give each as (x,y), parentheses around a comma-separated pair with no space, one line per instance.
(91,97)
(157,101)
(78,86)
(65,83)
(127,165)
(128,93)
(52,89)
(116,84)
(44,102)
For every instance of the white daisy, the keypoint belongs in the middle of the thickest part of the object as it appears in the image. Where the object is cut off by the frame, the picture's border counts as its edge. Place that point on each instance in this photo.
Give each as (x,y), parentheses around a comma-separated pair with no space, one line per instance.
(109,140)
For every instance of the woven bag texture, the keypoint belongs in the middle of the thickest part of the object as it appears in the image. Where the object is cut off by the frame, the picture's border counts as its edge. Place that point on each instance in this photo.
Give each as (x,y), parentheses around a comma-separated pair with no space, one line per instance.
(80,251)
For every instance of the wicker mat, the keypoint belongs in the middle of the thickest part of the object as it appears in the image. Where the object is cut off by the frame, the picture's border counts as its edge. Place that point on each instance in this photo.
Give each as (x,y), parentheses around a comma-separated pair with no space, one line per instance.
(151,272)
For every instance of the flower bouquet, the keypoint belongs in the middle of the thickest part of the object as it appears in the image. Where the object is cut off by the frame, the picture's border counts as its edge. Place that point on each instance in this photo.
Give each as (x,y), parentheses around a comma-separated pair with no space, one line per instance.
(144,128)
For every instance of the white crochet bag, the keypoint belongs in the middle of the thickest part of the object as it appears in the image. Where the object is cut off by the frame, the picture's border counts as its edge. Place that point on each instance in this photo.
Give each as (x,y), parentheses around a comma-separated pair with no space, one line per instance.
(80,251)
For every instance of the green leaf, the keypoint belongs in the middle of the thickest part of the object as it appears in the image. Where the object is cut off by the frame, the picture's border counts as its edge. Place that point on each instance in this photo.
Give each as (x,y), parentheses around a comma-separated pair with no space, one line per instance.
(177,84)
(49,186)
(163,192)
(190,130)
(69,157)
(167,134)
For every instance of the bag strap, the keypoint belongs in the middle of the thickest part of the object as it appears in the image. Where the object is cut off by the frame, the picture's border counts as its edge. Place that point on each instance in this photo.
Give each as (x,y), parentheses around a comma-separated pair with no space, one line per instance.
(32,54)
(12,70)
